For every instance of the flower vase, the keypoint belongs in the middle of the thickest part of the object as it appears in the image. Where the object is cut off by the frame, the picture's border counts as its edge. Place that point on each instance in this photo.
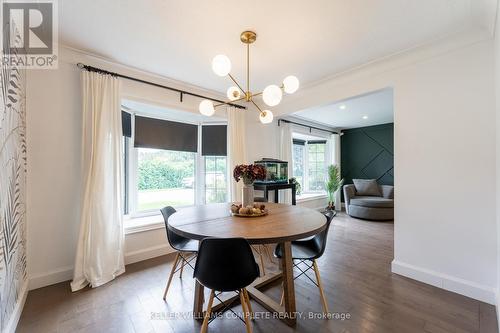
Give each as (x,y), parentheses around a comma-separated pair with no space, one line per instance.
(247,195)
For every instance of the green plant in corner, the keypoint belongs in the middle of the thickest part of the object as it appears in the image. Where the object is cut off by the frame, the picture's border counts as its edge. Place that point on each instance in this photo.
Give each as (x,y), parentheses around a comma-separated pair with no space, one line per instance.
(298,187)
(333,184)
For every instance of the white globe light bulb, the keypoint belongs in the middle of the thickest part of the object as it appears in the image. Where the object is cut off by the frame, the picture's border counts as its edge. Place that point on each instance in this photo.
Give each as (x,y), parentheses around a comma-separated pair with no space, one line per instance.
(266,117)
(207,108)
(272,95)
(233,93)
(221,65)
(290,84)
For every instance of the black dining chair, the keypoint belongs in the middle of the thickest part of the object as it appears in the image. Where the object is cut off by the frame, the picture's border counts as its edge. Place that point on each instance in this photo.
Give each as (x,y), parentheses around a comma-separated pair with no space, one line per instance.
(305,252)
(186,248)
(226,264)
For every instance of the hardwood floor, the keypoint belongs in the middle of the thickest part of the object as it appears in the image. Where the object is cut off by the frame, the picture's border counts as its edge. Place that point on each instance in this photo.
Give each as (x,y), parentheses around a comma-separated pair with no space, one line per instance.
(355,272)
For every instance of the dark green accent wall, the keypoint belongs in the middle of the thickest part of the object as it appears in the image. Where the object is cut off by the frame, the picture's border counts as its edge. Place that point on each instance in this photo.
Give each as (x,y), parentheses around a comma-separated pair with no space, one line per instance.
(368,152)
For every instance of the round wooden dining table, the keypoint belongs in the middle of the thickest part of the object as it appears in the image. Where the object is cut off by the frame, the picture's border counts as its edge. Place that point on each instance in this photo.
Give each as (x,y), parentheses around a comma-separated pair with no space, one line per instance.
(283,224)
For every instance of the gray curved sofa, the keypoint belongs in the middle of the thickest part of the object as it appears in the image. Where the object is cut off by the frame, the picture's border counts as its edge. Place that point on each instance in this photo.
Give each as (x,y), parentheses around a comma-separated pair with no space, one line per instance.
(370,207)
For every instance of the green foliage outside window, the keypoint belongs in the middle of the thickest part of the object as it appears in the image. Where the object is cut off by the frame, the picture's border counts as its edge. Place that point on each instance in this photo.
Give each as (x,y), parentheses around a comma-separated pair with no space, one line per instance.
(164,169)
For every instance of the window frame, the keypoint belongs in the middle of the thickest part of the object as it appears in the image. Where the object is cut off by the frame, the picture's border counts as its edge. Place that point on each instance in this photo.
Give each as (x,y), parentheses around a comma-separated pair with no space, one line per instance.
(131,157)
(306,192)
(216,189)
(308,166)
(304,178)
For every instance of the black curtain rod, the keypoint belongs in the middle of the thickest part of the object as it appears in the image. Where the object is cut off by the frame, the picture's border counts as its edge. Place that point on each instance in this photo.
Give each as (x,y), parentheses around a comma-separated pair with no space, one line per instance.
(181,92)
(304,125)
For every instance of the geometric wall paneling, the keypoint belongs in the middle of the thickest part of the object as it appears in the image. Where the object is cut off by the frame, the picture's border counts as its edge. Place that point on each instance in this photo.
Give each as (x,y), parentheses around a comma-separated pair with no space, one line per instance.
(368,152)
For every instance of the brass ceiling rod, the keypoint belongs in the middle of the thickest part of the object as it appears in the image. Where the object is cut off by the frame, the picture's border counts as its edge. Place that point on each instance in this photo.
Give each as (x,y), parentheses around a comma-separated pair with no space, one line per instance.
(304,125)
(180,91)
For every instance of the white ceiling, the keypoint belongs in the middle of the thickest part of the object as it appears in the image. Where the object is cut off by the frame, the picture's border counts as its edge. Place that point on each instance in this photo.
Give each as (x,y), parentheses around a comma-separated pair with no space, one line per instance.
(366,110)
(310,39)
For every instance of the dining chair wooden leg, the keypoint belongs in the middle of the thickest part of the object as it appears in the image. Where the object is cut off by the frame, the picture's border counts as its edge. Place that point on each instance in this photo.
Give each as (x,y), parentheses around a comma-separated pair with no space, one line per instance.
(246,314)
(172,271)
(206,319)
(249,305)
(282,295)
(182,266)
(320,285)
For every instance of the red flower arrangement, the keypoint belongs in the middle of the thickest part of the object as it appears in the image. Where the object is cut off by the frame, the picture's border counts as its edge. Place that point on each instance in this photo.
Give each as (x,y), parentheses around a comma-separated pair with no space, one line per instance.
(249,173)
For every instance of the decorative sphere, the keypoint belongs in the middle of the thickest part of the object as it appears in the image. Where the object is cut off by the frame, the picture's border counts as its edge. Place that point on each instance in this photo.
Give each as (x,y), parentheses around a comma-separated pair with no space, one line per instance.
(266,117)
(221,65)
(233,93)
(290,84)
(272,95)
(207,108)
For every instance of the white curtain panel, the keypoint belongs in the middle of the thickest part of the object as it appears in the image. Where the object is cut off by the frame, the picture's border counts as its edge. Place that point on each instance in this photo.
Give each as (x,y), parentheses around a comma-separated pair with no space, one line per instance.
(236,145)
(335,159)
(286,154)
(99,257)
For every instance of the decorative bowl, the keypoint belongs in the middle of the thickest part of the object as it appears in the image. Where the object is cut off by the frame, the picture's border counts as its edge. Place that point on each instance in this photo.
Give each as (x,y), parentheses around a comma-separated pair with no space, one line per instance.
(249,211)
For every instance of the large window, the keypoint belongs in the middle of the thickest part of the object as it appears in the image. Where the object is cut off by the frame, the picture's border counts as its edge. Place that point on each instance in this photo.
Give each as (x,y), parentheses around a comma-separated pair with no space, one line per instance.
(309,164)
(215,179)
(298,161)
(165,178)
(169,163)
(316,165)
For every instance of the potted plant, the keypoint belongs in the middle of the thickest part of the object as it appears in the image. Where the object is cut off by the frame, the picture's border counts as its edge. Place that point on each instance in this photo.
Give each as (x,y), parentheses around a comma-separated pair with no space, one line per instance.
(249,173)
(333,184)
(298,187)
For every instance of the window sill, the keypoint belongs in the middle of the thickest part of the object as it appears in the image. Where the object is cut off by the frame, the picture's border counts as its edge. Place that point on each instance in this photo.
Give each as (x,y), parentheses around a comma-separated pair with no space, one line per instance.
(311,196)
(141,224)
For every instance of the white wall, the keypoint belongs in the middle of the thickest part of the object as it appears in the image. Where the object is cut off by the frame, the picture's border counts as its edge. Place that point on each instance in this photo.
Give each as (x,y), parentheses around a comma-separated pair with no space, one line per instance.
(445,229)
(497,95)
(54,172)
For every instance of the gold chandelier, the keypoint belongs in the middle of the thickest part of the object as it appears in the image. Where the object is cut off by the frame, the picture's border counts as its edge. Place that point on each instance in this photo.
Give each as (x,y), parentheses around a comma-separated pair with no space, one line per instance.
(271,95)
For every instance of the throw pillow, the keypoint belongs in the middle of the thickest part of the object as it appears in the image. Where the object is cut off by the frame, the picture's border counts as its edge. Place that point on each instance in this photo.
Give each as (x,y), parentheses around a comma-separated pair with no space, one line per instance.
(367,187)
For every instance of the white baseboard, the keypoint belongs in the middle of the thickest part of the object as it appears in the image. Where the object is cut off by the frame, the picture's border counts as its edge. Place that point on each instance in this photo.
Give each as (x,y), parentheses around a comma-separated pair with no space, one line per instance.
(52,277)
(497,305)
(460,286)
(66,273)
(18,309)
(147,253)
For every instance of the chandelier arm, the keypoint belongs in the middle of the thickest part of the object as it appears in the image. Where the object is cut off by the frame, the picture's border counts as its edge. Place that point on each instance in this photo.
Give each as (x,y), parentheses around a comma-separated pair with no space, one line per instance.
(236,82)
(230,102)
(260,110)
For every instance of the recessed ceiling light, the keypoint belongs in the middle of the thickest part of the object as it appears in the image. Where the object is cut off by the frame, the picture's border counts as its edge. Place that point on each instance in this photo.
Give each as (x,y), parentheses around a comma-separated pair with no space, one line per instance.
(342,107)
(365,117)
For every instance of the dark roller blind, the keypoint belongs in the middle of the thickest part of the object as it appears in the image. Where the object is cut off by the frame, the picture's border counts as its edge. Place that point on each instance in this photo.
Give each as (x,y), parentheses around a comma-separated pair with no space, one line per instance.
(299,142)
(214,140)
(164,134)
(127,124)
(316,142)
